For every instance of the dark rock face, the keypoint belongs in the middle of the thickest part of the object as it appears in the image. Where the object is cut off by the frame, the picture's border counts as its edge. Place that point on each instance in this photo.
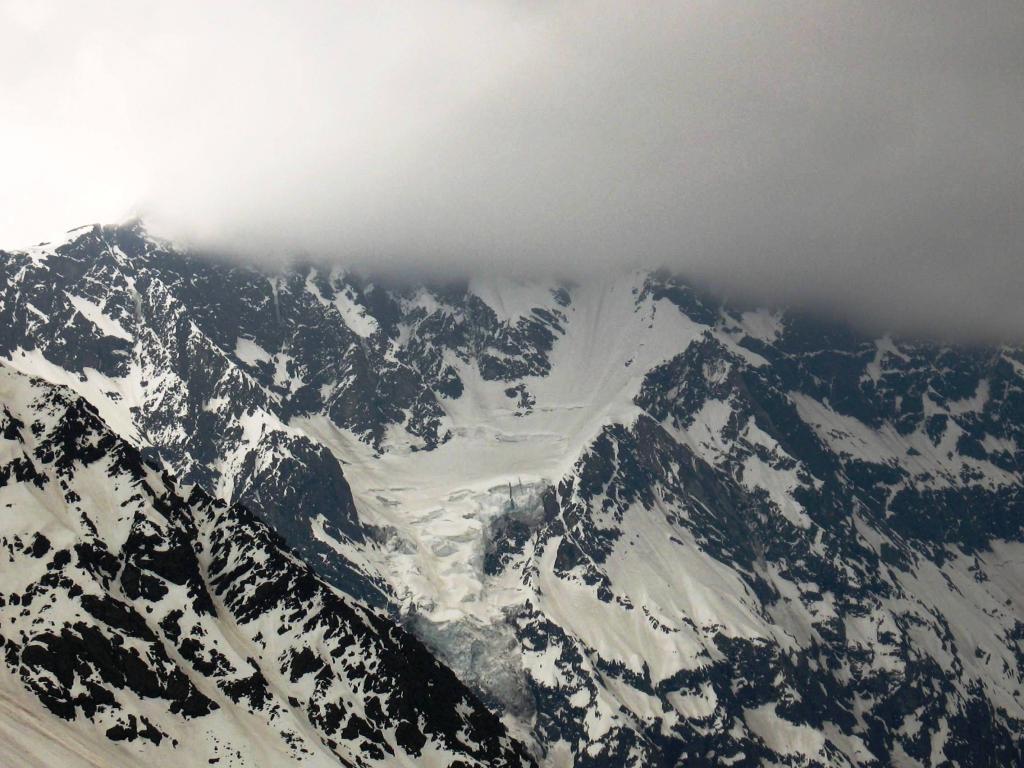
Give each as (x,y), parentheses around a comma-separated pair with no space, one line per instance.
(148,614)
(759,538)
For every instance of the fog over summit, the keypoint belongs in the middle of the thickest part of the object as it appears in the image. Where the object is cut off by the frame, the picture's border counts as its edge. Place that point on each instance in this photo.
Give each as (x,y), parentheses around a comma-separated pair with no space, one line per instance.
(864,159)
(511,384)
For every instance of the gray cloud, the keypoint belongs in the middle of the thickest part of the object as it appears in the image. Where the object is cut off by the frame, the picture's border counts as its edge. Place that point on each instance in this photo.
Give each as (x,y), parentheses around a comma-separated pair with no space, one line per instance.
(862,158)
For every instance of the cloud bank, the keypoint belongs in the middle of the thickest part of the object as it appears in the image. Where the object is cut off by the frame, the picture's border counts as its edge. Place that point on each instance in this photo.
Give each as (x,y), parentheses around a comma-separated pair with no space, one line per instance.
(863,158)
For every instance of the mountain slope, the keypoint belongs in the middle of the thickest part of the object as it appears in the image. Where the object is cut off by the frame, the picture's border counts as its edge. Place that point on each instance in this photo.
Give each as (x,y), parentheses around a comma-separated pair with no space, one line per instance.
(643,525)
(180,629)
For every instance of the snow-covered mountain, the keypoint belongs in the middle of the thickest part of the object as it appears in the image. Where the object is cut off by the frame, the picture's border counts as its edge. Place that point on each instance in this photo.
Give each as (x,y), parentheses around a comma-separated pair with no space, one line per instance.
(642,526)
(151,623)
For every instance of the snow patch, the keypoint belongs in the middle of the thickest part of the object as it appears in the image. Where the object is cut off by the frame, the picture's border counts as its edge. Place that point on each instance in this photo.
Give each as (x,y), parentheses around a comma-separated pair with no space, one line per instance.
(251,353)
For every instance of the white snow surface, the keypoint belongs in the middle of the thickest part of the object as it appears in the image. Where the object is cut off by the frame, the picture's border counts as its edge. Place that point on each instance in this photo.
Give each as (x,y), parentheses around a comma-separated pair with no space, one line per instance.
(95,315)
(440,500)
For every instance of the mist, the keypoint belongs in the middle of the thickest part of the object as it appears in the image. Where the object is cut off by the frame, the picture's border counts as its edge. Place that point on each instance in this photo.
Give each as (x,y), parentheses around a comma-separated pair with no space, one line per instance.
(864,159)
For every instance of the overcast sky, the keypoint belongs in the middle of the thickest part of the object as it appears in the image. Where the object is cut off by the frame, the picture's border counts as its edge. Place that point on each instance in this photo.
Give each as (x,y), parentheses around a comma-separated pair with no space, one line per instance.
(864,157)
